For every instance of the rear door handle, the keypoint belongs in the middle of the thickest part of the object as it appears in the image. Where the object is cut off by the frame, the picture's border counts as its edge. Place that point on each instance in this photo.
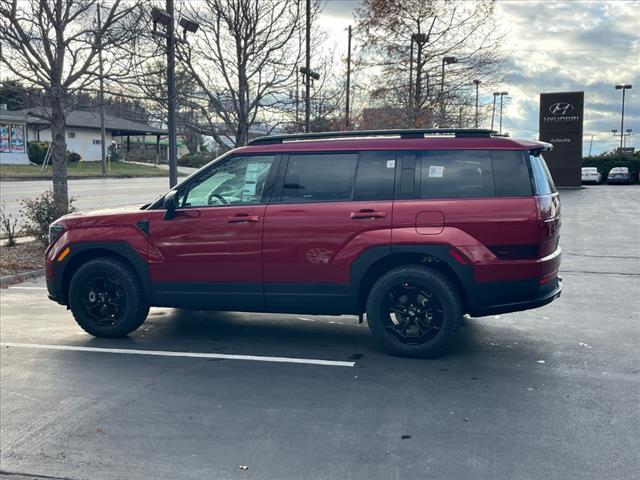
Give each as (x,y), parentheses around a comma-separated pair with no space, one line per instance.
(243,218)
(368,213)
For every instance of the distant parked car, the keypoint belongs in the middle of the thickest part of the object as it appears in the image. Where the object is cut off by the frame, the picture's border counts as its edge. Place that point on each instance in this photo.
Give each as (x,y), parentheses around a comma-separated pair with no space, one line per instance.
(620,175)
(591,175)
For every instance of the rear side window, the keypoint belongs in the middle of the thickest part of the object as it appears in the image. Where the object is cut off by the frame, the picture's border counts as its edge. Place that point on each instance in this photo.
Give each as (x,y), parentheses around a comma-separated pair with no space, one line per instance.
(511,173)
(541,176)
(456,174)
(375,176)
(320,177)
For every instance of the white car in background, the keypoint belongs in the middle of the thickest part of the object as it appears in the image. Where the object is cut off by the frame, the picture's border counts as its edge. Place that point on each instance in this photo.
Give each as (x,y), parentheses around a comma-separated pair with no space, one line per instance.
(591,175)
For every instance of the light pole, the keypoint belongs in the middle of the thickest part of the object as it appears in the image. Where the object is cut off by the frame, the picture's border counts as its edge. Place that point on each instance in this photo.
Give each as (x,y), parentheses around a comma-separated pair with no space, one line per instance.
(346,112)
(307,67)
(445,61)
(493,111)
(622,87)
(502,94)
(166,18)
(628,132)
(477,84)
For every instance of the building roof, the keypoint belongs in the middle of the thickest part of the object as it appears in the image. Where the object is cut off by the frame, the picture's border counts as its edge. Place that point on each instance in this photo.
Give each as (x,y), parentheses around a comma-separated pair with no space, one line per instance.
(85,119)
(12,116)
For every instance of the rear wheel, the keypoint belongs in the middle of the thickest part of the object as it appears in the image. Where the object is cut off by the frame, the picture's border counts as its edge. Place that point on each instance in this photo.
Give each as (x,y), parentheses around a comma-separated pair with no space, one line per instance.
(414,311)
(107,299)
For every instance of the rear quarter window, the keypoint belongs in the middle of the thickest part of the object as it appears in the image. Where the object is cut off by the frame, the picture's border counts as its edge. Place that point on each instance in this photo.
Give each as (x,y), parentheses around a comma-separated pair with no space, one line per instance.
(511,173)
(541,176)
(456,174)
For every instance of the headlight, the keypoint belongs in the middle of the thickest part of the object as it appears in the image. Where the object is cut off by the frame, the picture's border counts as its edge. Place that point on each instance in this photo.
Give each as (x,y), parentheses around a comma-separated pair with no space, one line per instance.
(55,230)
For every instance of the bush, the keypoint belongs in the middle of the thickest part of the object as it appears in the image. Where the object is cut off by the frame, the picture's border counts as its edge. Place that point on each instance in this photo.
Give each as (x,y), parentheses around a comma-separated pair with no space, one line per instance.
(607,161)
(112,152)
(8,225)
(36,151)
(40,213)
(195,160)
(73,157)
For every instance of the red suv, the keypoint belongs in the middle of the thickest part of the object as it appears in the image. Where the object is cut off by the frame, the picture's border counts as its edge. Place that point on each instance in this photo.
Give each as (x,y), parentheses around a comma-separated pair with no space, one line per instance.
(415,228)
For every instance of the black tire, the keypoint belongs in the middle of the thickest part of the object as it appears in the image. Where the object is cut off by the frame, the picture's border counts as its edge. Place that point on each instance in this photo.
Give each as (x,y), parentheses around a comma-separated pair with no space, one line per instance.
(435,328)
(107,299)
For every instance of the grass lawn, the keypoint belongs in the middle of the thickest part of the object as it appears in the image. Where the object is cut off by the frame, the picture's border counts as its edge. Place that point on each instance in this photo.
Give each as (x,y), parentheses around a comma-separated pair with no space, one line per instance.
(82,170)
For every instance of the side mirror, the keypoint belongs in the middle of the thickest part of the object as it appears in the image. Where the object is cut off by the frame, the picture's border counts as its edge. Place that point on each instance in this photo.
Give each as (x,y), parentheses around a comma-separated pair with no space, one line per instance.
(170,204)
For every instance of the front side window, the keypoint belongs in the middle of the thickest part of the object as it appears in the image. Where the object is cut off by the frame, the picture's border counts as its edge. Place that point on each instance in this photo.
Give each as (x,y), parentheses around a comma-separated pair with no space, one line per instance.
(456,174)
(237,181)
(321,177)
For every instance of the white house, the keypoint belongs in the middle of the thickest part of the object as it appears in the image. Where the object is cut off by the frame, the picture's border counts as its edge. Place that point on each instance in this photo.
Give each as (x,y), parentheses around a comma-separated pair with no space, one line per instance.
(83,134)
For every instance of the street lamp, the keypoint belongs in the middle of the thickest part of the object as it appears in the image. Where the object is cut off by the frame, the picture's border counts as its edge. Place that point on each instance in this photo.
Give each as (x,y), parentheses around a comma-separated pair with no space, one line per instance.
(622,87)
(477,84)
(166,18)
(493,111)
(445,61)
(627,133)
(502,94)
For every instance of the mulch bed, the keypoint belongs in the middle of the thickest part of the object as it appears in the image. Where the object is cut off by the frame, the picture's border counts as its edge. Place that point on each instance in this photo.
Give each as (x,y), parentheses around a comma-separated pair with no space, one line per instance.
(24,257)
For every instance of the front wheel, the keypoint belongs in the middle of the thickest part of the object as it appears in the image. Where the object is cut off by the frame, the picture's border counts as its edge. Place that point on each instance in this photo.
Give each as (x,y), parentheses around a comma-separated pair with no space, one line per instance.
(414,311)
(107,299)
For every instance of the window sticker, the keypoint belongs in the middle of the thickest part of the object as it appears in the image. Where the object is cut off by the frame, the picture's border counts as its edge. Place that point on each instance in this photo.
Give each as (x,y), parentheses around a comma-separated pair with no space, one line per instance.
(391,164)
(436,171)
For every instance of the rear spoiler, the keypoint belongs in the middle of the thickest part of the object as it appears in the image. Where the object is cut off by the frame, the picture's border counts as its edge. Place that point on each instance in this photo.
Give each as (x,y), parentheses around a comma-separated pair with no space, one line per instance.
(541,147)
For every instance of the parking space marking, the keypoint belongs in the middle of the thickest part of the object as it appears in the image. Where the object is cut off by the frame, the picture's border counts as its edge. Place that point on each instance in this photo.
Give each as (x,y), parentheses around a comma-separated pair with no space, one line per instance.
(164,353)
(27,288)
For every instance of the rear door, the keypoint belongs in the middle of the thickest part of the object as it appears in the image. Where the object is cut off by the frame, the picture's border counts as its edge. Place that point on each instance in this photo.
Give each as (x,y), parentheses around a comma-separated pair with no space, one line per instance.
(332,207)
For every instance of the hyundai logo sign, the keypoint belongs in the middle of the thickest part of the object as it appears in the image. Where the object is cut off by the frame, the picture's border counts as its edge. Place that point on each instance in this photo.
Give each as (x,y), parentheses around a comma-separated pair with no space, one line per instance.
(561,108)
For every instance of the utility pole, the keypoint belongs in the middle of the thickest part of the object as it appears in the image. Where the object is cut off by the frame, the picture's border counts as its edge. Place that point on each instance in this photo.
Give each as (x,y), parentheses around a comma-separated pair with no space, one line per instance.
(590,145)
(411,73)
(346,113)
(297,101)
(477,84)
(307,99)
(420,39)
(623,88)
(171,88)
(493,111)
(103,133)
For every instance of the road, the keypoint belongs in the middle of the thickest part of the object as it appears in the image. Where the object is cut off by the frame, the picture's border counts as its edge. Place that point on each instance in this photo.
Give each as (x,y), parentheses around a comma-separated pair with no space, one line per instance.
(90,194)
(552,393)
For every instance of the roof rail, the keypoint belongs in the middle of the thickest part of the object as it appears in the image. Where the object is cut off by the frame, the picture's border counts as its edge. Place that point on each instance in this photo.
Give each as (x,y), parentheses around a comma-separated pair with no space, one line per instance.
(402,133)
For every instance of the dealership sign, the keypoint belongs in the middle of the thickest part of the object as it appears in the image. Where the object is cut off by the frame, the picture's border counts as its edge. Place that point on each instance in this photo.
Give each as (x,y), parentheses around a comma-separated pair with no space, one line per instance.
(561,119)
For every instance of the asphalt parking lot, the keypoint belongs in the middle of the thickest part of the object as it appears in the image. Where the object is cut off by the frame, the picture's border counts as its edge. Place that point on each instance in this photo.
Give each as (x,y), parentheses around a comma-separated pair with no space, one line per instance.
(552,393)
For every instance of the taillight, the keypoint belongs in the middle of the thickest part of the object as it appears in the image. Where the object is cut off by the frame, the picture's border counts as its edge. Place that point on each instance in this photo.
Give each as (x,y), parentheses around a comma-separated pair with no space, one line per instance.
(549,217)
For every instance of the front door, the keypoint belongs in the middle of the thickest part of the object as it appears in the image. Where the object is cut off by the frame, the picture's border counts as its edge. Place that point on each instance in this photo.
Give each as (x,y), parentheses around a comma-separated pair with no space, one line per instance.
(210,254)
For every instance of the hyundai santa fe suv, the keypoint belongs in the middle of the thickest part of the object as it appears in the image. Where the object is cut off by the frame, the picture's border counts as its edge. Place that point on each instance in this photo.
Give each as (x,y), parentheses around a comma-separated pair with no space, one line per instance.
(414,228)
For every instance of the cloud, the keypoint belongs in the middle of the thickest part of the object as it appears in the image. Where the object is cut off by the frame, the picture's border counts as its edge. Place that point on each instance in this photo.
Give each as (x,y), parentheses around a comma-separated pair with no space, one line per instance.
(556,46)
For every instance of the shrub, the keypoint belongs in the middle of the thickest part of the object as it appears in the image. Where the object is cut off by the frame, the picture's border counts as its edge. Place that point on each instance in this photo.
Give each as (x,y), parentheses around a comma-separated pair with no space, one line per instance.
(36,151)
(8,224)
(112,152)
(195,160)
(40,213)
(607,161)
(73,157)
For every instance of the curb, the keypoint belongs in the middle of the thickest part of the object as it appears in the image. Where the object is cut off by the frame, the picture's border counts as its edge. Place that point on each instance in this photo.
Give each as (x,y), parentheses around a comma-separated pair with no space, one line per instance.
(20,277)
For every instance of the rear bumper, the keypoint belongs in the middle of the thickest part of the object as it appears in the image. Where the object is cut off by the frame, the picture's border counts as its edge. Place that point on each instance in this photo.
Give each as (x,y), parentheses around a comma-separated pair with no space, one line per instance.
(543,295)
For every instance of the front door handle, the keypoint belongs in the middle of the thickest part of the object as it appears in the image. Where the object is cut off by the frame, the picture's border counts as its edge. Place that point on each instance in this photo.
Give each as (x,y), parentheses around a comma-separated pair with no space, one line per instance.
(368,213)
(243,218)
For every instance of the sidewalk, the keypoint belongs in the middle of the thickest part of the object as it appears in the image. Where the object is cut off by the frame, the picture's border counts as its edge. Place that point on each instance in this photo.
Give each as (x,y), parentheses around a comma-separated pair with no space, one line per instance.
(164,166)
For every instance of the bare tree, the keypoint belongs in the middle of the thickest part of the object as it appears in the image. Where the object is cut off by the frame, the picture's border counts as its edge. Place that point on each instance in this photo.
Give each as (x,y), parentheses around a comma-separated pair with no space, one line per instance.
(53,45)
(406,41)
(243,61)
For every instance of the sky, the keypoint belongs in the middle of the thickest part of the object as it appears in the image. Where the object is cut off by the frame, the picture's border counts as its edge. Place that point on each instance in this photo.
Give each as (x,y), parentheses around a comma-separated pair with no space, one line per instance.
(555,46)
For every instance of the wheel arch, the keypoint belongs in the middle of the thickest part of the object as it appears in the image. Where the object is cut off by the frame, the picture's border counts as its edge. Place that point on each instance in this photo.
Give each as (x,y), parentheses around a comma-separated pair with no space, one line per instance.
(82,253)
(372,265)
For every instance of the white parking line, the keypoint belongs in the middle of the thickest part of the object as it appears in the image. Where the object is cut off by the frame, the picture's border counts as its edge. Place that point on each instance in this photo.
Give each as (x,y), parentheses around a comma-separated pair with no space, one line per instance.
(163,353)
(27,288)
